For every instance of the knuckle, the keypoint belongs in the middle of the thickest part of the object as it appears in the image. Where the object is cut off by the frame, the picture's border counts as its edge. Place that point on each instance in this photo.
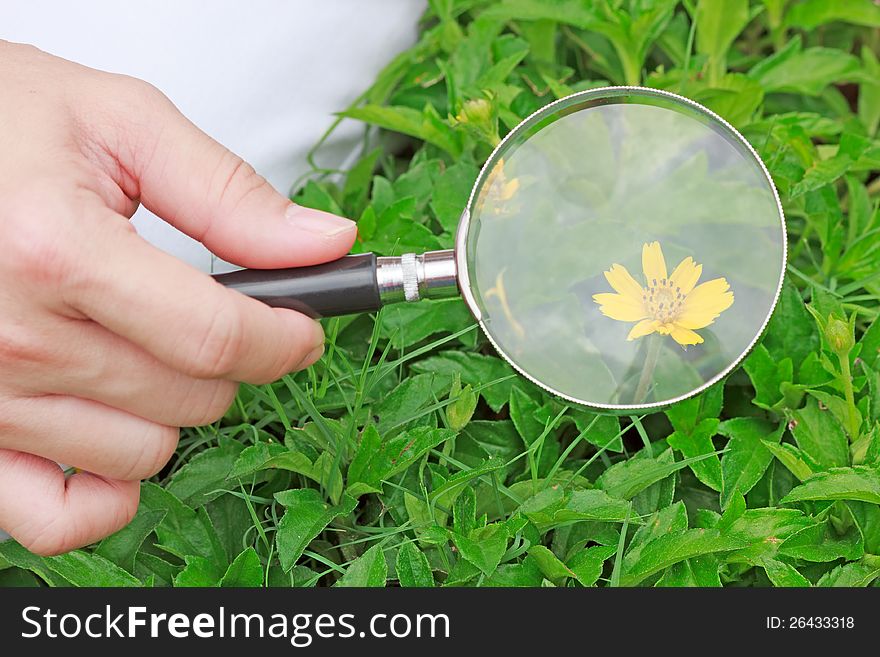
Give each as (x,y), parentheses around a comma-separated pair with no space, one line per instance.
(22,350)
(138,90)
(155,450)
(46,541)
(234,179)
(35,249)
(217,348)
(205,403)
(223,394)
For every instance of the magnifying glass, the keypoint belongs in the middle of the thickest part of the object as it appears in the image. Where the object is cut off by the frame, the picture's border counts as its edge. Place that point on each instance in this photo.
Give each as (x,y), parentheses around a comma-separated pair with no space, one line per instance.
(622,247)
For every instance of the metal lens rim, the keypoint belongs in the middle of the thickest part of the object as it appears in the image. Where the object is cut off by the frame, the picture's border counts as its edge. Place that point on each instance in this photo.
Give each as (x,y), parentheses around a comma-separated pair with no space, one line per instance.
(463,230)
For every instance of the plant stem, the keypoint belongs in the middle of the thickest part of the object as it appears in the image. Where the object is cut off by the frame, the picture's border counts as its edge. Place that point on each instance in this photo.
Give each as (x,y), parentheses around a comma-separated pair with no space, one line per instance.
(852,412)
(651,356)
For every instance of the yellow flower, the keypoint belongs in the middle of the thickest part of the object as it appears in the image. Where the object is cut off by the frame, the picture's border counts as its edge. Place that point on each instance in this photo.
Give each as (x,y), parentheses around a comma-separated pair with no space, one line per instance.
(668,304)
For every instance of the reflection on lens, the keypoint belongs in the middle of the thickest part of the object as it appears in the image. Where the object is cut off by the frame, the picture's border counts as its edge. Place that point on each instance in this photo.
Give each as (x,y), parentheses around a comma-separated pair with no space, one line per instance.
(625,248)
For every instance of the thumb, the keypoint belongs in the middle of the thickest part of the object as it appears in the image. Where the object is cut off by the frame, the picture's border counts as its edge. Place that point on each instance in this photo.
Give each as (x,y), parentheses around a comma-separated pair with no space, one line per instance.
(214,196)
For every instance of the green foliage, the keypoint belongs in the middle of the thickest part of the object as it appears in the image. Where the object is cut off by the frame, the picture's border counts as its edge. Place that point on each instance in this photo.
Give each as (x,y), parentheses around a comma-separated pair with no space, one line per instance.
(412,455)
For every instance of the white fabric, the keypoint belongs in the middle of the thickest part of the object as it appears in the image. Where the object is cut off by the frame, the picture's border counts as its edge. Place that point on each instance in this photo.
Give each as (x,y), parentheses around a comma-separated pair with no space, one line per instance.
(262,77)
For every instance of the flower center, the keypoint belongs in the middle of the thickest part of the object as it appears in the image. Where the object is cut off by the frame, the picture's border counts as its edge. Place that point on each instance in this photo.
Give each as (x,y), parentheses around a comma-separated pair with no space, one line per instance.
(663,300)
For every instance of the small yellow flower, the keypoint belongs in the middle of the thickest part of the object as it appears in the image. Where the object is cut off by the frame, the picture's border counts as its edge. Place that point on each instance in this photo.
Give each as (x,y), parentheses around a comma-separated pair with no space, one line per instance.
(668,304)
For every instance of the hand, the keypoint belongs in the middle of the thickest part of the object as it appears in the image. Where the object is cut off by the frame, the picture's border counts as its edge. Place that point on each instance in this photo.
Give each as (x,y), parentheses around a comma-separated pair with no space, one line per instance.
(107,345)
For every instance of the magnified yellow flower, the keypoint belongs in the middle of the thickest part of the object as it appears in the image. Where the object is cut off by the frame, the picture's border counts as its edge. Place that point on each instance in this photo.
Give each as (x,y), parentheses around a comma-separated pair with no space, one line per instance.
(498,190)
(668,304)
(498,291)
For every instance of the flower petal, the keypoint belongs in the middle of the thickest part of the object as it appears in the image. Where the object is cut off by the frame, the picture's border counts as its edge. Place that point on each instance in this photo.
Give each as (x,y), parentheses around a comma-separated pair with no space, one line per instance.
(705,303)
(617,306)
(653,262)
(645,327)
(684,336)
(619,278)
(686,275)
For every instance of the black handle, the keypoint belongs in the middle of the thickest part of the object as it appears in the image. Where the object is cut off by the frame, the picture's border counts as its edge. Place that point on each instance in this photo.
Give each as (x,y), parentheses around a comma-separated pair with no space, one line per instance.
(340,287)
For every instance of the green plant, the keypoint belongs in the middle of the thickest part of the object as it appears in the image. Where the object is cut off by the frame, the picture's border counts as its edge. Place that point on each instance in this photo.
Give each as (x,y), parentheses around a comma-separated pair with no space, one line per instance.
(411,454)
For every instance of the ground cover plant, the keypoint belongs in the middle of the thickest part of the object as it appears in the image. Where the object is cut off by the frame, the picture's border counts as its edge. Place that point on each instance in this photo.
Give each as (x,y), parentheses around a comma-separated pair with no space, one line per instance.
(412,455)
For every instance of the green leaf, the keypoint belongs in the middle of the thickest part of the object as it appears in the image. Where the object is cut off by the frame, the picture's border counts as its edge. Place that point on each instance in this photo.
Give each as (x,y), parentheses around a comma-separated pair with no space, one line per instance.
(807,72)
(719,22)
(587,564)
(83,569)
(855,483)
(122,547)
(475,369)
(315,195)
(568,12)
(483,547)
(821,543)
(791,332)
(246,571)
(768,377)
(626,479)
(850,575)
(870,344)
(272,456)
(698,442)
(14,554)
(687,414)
(809,14)
(698,571)
(553,506)
(425,125)
(820,435)
(199,572)
(197,482)
(521,574)
(549,564)
(183,532)
(306,515)
(451,192)
(869,92)
(746,458)
(464,403)
(603,431)
(357,182)
(523,413)
(376,460)
(409,323)
(765,529)
(406,401)
(798,463)
(464,512)
(783,574)
(412,567)
(669,549)
(867,519)
(734,97)
(368,570)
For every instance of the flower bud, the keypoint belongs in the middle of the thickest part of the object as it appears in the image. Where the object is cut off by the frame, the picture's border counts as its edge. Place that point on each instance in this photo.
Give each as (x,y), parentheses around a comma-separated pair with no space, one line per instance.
(479,118)
(839,335)
(478,112)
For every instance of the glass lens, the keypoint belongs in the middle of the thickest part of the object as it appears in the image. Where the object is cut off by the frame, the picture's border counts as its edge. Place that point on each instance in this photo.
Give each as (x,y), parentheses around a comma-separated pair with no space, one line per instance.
(625,248)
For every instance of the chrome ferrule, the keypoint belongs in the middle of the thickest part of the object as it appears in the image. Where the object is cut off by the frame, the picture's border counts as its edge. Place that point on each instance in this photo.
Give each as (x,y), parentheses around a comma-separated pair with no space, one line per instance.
(412,277)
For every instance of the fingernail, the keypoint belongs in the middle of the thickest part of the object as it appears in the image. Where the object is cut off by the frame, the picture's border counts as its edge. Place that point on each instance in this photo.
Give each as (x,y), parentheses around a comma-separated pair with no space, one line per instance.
(317,222)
